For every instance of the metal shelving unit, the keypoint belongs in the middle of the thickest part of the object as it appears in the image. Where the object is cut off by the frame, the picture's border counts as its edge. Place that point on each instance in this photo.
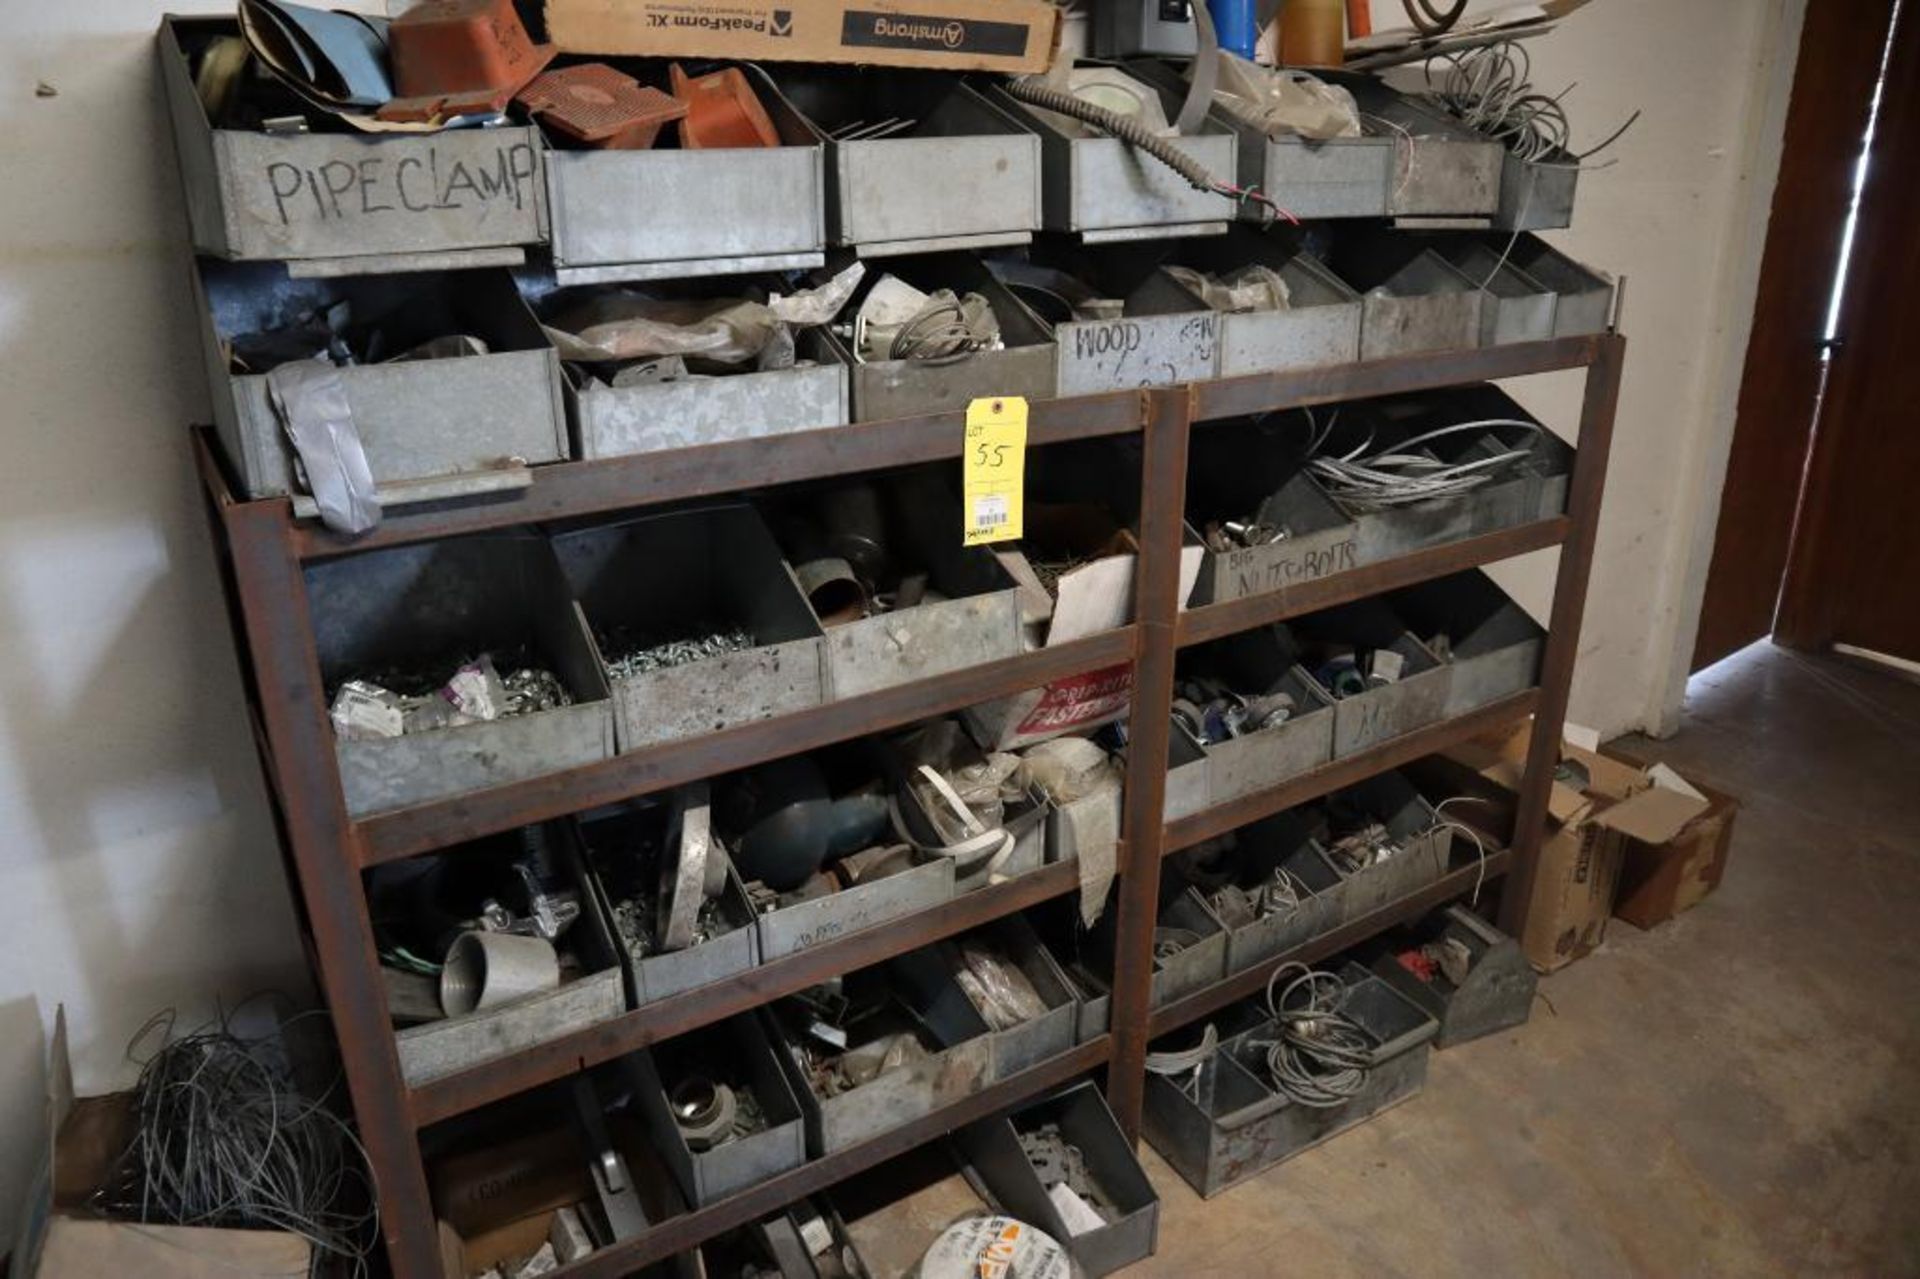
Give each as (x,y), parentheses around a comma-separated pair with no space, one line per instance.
(263,549)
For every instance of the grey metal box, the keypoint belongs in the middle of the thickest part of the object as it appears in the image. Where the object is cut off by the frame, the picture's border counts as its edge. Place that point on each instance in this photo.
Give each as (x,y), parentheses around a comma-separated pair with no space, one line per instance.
(1442,168)
(1319,327)
(1028,1044)
(1514,307)
(967,175)
(999,1162)
(1183,972)
(1104,190)
(1423,304)
(1536,195)
(681,573)
(737,1053)
(781,1239)
(1496,995)
(624,853)
(1189,776)
(789,930)
(1321,538)
(1256,853)
(672,213)
(1164,336)
(1385,533)
(596,994)
(346,203)
(1312,180)
(1258,760)
(960,1064)
(1234,1125)
(458,597)
(1585,296)
(1425,845)
(1493,647)
(1416,698)
(453,419)
(884,389)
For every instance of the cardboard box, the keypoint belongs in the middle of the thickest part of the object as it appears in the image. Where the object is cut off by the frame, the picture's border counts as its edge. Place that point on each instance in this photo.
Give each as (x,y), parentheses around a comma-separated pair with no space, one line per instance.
(1590,824)
(60,1237)
(946,35)
(1660,880)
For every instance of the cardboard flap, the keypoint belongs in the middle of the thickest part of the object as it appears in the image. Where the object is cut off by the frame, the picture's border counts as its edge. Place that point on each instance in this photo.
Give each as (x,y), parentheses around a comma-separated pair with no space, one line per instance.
(1566,805)
(1654,816)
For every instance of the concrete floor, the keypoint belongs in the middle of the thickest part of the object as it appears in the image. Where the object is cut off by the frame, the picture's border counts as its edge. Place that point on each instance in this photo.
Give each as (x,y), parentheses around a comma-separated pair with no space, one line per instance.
(1737,1092)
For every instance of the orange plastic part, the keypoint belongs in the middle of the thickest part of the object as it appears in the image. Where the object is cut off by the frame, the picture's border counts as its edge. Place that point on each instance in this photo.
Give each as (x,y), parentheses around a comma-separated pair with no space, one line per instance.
(722,111)
(1313,33)
(459,57)
(600,107)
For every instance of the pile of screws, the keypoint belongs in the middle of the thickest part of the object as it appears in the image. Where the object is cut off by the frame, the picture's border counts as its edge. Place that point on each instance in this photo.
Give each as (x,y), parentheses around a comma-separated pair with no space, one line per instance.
(634,919)
(1049,572)
(1371,845)
(395,701)
(1239,535)
(630,654)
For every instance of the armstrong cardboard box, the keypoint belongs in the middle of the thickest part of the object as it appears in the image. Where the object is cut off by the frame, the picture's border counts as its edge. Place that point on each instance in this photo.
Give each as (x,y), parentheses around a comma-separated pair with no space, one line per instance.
(946,35)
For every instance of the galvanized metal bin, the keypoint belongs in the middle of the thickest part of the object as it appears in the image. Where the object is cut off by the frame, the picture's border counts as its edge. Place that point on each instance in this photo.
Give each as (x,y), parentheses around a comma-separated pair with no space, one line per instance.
(685,574)
(1001,1167)
(788,930)
(1416,697)
(1319,327)
(1585,296)
(348,203)
(1425,846)
(1321,539)
(625,849)
(1189,776)
(438,601)
(461,420)
(1255,663)
(1393,531)
(1176,974)
(884,389)
(1514,307)
(1164,336)
(1259,851)
(960,1064)
(794,1243)
(1442,168)
(1059,927)
(1537,195)
(1103,190)
(1312,180)
(1029,830)
(620,421)
(1492,646)
(1411,305)
(595,994)
(1229,1123)
(1031,1042)
(671,213)
(1498,991)
(735,1053)
(963,174)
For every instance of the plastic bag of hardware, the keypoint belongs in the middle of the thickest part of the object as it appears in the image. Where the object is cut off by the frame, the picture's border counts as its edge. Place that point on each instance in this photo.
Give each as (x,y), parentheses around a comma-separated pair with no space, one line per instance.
(818,305)
(617,325)
(1281,101)
(994,1248)
(996,987)
(1251,288)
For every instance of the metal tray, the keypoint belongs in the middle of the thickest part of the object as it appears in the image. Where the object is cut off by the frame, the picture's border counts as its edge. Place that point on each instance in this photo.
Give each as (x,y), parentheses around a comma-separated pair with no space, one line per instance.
(1032,1042)
(1494,646)
(792,929)
(1537,195)
(1425,846)
(1319,328)
(1514,307)
(1417,698)
(1585,296)
(1441,168)
(1421,304)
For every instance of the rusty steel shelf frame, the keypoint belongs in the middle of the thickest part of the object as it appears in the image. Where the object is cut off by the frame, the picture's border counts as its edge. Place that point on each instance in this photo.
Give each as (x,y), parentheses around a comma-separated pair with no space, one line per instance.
(262,550)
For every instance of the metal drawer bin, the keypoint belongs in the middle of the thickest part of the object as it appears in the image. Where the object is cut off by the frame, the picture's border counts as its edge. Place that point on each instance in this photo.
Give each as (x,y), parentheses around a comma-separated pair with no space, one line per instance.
(737,1053)
(1425,845)
(1000,1165)
(1417,698)
(1282,841)
(1419,304)
(967,175)
(1032,1042)
(789,930)
(347,203)
(460,420)
(461,596)
(1337,178)
(1585,297)
(1029,830)
(1189,776)
(1233,1125)
(1493,646)
(1321,538)
(1536,195)
(1319,328)
(444,1047)
(1165,335)
(624,849)
(1497,994)
(1104,190)
(1384,534)
(667,574)
(886,389)
(960,1065)
(1441,167)
(670,214)
(1177,975)
(1514,307)
(1259,661)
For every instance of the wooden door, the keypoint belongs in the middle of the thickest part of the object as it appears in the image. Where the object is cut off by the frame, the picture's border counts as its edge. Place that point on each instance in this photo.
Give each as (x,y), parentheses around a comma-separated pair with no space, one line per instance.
(1841,47)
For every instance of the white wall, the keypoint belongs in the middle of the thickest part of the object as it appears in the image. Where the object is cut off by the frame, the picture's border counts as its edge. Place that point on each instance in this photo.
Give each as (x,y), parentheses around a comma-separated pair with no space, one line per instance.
(137,868)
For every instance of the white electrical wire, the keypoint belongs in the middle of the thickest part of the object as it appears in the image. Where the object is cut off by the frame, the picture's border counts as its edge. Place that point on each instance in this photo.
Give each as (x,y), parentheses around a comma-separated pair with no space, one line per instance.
(1489,90)
(1322,1056)
(1403,476)
(1480,846)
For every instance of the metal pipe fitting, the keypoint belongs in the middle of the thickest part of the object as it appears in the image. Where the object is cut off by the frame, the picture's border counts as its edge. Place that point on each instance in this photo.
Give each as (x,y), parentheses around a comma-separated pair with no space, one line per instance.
(485,970)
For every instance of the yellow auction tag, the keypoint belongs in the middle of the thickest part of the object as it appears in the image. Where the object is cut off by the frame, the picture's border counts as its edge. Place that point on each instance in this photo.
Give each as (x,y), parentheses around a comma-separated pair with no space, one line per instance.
(994,469)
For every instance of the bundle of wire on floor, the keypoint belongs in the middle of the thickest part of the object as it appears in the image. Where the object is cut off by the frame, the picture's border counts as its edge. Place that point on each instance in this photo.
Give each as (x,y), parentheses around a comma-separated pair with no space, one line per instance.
(1322,1056)
(1369,480)
(1489,90)
(1186,1061)
(222,1137)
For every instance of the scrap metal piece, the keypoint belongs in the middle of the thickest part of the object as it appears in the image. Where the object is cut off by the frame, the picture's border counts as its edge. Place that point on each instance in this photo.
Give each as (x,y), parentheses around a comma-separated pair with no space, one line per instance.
(705,1110)
(683,881)
(310,400)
